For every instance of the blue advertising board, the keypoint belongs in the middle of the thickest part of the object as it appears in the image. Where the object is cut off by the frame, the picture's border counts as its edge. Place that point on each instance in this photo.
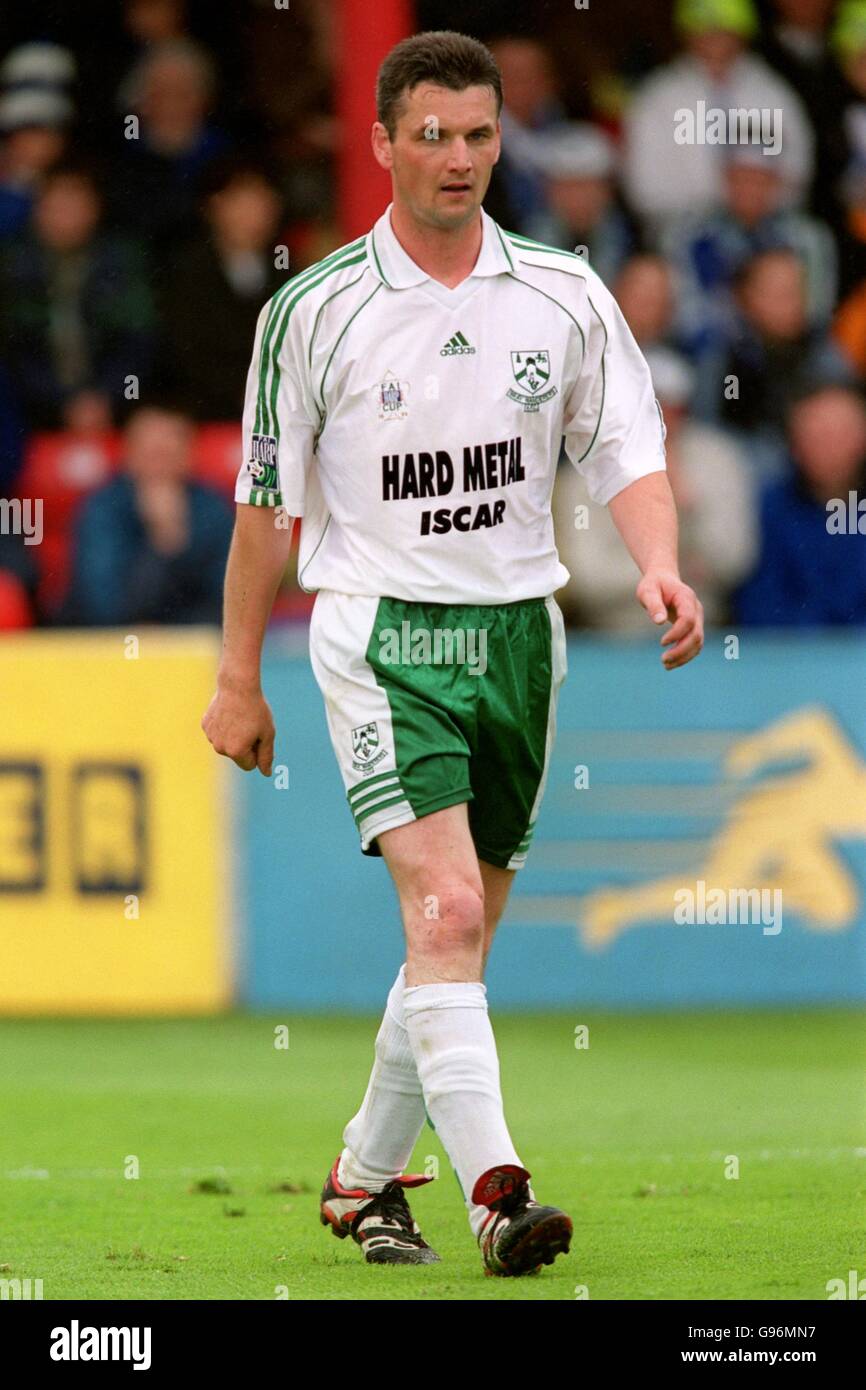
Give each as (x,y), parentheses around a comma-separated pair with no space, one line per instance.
(702,841)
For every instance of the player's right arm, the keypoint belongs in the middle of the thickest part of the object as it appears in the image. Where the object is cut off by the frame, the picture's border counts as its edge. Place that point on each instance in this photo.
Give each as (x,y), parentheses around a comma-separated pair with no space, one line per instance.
(278,445)
(238,721)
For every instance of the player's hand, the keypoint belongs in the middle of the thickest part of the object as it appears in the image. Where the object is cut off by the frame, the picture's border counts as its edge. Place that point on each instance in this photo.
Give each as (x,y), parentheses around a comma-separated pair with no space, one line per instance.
(667,599)
(239,725)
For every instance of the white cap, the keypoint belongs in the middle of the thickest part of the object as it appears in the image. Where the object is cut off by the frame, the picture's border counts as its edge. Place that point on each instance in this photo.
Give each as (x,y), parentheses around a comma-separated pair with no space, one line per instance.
(46,63)
(33,106)
(672,376)
(577,151)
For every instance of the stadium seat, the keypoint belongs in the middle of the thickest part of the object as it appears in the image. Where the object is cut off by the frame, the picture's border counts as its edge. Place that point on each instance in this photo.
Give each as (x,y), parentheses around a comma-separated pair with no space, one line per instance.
(15,611)
(218,454)
(62,469)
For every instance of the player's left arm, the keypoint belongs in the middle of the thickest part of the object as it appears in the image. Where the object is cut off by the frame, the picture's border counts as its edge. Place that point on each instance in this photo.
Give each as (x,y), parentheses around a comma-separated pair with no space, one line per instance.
(646,517)
(614,436)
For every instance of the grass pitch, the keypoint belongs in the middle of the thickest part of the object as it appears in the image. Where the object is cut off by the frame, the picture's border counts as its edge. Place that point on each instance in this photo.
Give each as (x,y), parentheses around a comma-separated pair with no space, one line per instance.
(232,1138)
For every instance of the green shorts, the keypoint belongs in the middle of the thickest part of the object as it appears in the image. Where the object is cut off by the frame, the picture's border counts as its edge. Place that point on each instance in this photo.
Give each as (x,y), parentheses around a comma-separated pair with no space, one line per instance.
(430,704)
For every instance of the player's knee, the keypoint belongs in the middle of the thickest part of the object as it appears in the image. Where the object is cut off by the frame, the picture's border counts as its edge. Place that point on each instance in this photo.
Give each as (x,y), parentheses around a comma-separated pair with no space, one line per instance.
(454,919)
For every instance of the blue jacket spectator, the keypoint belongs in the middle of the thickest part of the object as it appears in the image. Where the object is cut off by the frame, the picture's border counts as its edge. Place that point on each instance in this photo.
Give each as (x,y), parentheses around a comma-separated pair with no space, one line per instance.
(151,546)
(710,251)
(812,565)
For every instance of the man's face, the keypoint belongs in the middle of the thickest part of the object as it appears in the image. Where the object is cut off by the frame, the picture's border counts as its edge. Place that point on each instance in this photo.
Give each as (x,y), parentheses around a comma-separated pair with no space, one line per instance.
(828,440)
(716,49)
(443,152)
(773,296)
(527,79)
(67,213)
(158,447)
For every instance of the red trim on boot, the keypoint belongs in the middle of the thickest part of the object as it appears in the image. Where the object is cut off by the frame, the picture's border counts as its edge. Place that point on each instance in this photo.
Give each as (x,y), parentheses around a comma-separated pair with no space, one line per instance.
(410,1180)
(497,1183)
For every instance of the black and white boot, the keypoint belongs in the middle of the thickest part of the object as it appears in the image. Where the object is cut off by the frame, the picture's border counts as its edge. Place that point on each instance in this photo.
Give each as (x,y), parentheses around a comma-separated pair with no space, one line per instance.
(519,1235)
(380,1222)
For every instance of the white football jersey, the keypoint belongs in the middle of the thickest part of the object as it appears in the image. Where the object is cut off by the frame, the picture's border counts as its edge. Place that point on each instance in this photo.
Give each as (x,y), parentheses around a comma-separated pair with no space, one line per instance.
(417,429)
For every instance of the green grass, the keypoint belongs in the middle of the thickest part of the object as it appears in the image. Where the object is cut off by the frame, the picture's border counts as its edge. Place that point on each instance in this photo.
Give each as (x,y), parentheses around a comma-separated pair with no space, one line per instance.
(630,1136)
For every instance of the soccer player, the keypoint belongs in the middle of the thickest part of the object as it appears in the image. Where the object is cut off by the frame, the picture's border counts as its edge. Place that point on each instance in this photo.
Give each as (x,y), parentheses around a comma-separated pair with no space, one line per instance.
(408,398)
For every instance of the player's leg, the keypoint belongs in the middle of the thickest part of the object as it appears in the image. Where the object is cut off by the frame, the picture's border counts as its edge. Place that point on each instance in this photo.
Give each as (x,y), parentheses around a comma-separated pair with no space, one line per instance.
(497,885)
(441,891)
(440,884)
(515,731)
(380,762)
(379,1139)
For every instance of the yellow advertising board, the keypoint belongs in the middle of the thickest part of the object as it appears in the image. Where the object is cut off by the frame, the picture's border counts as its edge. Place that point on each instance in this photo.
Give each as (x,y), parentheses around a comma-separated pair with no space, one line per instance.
(114,892)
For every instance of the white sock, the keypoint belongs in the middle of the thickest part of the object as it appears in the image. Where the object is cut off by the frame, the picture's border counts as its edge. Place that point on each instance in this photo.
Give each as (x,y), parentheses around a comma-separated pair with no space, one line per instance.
(455,1053)
(379,1140)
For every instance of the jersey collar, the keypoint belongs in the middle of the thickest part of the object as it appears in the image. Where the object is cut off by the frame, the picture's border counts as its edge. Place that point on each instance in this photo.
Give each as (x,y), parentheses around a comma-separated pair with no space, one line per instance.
(396,269)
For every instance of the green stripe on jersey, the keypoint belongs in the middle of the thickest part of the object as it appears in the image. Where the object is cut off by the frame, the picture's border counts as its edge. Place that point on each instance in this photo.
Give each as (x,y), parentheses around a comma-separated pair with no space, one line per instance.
(527,244)
(287,298)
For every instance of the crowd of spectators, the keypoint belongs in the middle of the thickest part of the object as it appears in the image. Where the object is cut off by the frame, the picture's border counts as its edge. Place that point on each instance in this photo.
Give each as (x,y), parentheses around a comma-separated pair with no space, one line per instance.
(139,217)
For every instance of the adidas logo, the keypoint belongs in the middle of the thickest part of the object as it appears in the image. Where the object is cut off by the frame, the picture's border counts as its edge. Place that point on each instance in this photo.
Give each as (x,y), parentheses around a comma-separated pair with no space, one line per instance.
(456,347)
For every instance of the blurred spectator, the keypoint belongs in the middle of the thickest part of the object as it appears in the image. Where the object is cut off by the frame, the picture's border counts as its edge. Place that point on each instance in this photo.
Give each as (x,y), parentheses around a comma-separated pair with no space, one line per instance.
(171,90)
(531,111)
(18,578)
(849,328)
(645,292)
(709,251)
(795,43)
(35,109)
(151,545)
(75,307)
(215,290)
(811,572)
(297,118)
(710,483)
(155,21)
(579,163)
(666,176)
(11,434)
(773,352)
(849,166)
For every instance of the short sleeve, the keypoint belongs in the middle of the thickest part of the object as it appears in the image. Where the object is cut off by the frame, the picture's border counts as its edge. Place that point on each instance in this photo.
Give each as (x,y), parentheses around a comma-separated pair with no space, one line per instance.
(279,429)
(614,432)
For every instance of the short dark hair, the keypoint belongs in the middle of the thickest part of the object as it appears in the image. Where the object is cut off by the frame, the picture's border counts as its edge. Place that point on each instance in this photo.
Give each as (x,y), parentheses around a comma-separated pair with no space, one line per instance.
(442,56)
(225,170)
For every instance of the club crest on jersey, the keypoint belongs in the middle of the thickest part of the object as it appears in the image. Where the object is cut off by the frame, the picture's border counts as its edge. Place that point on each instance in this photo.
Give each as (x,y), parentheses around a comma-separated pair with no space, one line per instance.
(365,743)
(531,371)
(392,398)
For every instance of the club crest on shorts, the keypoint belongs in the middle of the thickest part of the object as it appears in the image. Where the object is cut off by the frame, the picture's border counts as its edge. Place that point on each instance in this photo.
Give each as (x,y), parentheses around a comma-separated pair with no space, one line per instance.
(365,746)
(531,372)
(392,398)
